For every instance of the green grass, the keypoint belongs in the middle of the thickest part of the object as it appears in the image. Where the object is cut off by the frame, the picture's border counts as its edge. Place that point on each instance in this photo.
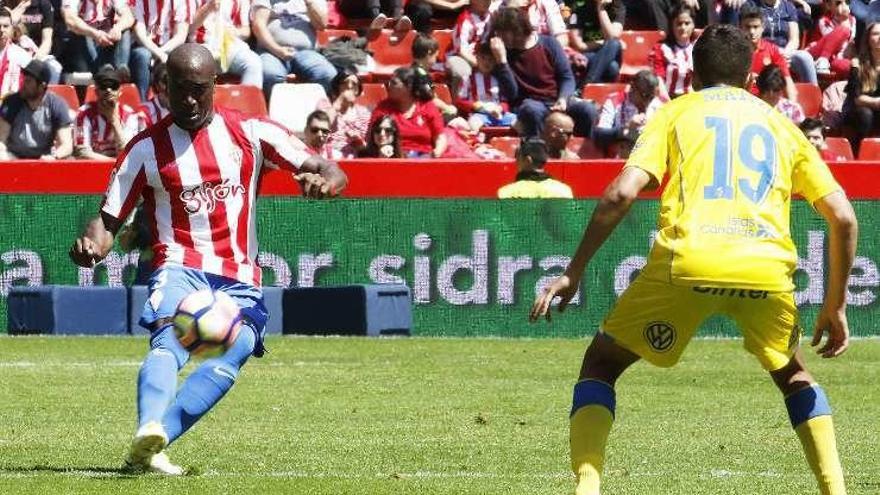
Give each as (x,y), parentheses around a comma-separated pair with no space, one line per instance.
(425,416)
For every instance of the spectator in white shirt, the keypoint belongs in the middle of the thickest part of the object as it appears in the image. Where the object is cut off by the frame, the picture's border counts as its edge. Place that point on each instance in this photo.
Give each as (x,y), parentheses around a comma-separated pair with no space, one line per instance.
(222,26)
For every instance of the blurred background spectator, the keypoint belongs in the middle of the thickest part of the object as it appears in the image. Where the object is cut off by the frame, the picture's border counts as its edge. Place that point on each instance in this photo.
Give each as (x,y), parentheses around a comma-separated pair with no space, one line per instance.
(13,58)
(596,26)
(350,119)
(532,181)
(157,107)
(317,134)
(862,105)
(34,24)
(766,53)
(423,11)
(223,27)
(479,98)
(285,31)
(558,129)
(425,51)
(35,123)
(383,139)
(419,122)
(625,114)
(104,126)
(534,75)
(156,33)
(99,34)
(656,14)
(832,40)
(771,87)
(672,58)
(814,131)
(467,34)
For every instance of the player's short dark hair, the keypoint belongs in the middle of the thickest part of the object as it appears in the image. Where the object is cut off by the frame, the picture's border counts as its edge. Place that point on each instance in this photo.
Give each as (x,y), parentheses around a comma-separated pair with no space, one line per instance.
(811,124)
(722,55)
(319,115)
(512,20)
(770,79)
(424,45)
(536,149)
(748,12)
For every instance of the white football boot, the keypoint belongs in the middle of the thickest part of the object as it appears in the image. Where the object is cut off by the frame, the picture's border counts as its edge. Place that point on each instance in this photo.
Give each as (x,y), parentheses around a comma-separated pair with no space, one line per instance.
(149,440)
(161,464)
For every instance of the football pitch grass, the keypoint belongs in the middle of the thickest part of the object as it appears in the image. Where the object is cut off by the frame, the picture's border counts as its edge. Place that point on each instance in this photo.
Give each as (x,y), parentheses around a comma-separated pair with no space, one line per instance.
(426,416)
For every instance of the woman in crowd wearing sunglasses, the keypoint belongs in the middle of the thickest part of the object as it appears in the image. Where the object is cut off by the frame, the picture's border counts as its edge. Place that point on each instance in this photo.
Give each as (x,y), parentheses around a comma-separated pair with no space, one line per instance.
(384,140)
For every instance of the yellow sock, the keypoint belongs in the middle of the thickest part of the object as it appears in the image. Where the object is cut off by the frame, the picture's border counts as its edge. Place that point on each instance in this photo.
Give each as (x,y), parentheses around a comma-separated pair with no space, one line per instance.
(591,419)
(820,447)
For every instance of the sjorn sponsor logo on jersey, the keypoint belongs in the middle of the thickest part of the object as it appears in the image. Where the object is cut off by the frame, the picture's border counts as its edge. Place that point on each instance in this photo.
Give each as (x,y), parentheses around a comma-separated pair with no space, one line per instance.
(207,194)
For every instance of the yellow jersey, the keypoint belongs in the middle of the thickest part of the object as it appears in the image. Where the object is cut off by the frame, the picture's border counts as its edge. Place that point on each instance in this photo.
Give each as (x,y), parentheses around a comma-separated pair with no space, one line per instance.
(533,189)
(733,163)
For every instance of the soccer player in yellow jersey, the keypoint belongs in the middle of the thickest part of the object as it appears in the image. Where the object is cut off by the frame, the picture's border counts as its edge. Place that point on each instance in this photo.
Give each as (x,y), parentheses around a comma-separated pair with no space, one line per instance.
(723,246)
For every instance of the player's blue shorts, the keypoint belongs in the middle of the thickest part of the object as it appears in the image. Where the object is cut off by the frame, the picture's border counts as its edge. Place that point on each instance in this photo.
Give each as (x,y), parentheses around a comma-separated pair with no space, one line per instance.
(170,284)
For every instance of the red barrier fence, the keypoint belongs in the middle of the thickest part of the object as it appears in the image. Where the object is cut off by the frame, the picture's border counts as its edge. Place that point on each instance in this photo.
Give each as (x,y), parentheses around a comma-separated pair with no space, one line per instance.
(393,179)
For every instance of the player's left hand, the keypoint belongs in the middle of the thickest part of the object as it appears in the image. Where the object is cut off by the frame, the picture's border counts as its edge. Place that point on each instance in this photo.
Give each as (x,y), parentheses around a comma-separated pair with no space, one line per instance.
(564,287)
(84,252)
(834,323)
(314,186)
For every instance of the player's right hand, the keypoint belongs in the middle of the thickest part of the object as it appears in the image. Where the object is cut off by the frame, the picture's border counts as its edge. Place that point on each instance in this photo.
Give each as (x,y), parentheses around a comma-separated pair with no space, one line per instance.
(563,287)
(84,252)
(833,322)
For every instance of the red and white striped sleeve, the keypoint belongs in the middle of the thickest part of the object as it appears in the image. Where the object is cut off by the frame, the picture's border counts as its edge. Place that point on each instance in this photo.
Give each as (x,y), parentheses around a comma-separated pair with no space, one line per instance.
(277,146)
(82,130)
(127,181)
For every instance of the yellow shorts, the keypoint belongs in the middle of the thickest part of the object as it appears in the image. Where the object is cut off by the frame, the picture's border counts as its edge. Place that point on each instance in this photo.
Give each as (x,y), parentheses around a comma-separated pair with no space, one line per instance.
(656,320)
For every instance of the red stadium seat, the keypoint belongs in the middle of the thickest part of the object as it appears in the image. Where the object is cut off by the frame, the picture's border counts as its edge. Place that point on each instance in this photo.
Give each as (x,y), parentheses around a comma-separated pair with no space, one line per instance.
(869,149)
(497,131)
(325,36)
(444,39)
(810,98)
(637,46)
(442,91)
(600,92)
(67,93)
(505,144)
(372,94)
(390,52)
(129,95)
(246,99)
(575,143)
(840,147)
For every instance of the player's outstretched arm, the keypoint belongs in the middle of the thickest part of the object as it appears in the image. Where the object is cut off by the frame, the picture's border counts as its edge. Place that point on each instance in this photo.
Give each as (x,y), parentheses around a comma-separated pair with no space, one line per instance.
(93,246)
(843,232)
(320,178)
(614,205)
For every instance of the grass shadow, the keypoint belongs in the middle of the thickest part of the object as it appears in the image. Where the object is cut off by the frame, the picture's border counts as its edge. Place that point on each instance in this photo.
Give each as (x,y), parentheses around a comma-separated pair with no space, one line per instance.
(87,471)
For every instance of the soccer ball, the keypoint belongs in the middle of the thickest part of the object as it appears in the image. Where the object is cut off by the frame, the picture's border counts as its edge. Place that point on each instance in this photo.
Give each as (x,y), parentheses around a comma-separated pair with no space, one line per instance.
(207,321)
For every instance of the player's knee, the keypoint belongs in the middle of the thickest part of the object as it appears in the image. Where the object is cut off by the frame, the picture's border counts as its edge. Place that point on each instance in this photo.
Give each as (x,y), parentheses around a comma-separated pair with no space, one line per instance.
(605,360)
(792,377)
(240,350)
(166,343)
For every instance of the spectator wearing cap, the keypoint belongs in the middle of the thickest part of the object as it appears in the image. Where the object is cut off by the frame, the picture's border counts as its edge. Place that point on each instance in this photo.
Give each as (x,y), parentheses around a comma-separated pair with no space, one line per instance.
(104,126)
(35,123)
(160,26)
(532,181)
(13,58)
(558,129)
(285,31)
(317,133)
(36,21)
(534,75)
(100,34)
(223,26)
(625,114)
(156,108)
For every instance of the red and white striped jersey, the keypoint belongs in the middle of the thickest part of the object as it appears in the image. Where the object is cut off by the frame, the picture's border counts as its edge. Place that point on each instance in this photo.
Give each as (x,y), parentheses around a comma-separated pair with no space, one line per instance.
(162,17)
(826,24)
(468,31)
(674,64)
(232,14)
(199,189)
(480,87)
(13,59)
(93,131)
(153,110)
(544,15)
(98,14)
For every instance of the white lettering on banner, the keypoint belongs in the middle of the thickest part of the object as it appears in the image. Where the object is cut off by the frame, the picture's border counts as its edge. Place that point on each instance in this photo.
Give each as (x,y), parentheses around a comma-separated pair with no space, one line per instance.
(508,267)
(864,276)
(378,269)
(422,270)
(814,267)
(477,264)
(309,264)
(114,264)
(29,269)
(626,272)
(279,267)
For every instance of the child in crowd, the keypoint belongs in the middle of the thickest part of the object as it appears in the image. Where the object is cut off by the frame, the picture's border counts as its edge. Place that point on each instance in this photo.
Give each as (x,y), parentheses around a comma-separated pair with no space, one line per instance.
(480,97)
(814,131)
(425,50)
(771,86)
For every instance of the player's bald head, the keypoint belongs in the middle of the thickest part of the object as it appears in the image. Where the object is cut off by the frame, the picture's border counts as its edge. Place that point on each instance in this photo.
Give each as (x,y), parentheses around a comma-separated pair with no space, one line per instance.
(191,58)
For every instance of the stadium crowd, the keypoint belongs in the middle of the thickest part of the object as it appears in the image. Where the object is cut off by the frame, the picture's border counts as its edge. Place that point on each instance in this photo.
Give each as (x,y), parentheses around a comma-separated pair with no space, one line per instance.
(426,78)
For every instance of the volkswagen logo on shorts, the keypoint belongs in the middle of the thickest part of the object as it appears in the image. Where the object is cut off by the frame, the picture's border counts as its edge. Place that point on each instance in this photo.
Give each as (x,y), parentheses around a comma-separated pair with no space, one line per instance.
(660,335)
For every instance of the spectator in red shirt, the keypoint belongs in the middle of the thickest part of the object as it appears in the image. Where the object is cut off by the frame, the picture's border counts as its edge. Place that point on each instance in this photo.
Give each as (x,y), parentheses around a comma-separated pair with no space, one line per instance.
(672,58)
(410,92)
(751,20)
(832,38)
(105,126)
(383,139)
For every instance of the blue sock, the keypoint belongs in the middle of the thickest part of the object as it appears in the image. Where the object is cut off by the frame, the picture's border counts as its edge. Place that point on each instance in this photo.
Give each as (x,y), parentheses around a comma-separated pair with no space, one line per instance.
(157,379)
(207,385)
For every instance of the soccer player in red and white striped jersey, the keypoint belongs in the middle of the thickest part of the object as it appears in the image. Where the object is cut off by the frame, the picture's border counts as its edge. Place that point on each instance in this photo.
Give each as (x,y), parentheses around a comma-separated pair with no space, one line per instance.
(160,26)
(197,171)
(105,125)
